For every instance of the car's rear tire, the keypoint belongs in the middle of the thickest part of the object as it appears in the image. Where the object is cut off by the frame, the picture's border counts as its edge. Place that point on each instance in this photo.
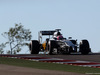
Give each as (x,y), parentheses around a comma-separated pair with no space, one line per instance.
(84,47)
(35,47)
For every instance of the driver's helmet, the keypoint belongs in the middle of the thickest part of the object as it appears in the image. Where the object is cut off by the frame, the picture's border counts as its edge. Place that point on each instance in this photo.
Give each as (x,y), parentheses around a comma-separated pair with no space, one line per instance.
(60,37)
(57,34)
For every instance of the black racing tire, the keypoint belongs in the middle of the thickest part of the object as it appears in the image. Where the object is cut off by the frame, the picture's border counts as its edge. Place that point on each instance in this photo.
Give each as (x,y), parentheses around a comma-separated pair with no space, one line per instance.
(84,47)
(35,47)
(51,46)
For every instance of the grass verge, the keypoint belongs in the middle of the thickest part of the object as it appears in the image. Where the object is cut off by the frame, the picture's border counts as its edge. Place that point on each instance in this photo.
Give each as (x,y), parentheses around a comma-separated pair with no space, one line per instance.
(48,66)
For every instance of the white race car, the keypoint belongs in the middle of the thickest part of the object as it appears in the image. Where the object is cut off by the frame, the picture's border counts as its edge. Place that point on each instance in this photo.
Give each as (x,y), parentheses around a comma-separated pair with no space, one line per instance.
(58,44)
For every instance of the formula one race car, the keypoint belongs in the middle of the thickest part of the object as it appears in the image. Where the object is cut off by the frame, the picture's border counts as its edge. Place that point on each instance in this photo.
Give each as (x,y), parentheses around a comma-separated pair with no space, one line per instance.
(57,44)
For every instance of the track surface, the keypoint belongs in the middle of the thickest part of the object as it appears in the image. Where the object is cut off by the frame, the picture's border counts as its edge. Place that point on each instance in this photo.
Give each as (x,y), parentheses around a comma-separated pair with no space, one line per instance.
(91,60)
(95,57)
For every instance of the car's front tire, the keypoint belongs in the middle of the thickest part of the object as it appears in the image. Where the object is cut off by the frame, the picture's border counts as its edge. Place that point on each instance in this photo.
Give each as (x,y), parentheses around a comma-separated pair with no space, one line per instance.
(52,45)
(84,47)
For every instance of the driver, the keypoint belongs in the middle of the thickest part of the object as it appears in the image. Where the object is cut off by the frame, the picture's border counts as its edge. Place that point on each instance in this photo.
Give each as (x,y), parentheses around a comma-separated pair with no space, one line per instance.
(58,36)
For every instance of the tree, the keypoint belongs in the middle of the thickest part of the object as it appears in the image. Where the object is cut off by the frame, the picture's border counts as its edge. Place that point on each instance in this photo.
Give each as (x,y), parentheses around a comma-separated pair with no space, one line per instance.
(17,37)
(1,48)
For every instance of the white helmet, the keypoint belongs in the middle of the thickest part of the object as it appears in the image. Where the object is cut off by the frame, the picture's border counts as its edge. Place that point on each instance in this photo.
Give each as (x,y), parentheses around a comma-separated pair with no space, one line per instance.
(56,34)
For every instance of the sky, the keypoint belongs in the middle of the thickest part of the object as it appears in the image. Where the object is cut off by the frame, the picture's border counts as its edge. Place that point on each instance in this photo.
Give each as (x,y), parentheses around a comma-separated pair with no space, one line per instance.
(79,19)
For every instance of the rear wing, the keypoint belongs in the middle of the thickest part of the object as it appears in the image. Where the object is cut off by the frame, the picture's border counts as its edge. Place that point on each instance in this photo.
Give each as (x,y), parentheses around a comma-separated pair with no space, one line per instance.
(51,32)
(47,32)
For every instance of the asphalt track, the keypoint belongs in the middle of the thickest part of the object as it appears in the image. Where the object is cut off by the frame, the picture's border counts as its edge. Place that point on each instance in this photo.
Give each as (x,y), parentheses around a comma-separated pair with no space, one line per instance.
(91,60)
(93,57)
